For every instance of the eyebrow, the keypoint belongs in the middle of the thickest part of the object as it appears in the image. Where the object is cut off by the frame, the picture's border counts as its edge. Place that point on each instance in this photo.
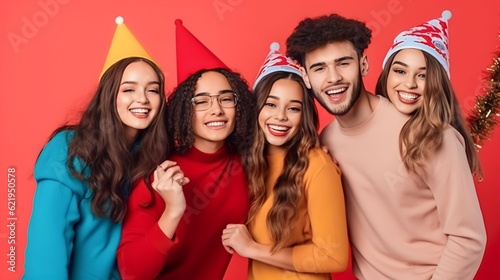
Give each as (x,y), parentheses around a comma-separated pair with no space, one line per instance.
(336,61)
(220,92)
(406,65)
(135,83)
(277,98)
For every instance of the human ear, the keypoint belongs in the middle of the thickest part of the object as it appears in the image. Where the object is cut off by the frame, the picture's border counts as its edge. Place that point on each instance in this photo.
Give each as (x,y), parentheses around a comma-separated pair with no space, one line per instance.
(364,65)
(305,77)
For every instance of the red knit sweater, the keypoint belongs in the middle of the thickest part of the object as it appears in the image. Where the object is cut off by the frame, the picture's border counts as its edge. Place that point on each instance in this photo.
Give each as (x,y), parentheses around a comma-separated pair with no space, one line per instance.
(196,252)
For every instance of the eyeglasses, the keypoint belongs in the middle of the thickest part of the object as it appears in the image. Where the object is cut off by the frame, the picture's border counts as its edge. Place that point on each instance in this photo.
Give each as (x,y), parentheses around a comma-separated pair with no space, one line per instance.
(204,102)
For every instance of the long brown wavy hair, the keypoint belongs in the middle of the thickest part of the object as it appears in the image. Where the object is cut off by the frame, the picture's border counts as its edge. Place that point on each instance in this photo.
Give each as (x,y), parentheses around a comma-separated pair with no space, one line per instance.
(423,132)
(289,186)
(181,112)
(99,143)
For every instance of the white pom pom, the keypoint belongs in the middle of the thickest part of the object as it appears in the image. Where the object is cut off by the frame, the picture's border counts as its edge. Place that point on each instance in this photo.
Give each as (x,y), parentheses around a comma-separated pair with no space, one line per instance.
(446,15)
(119,20)
(275,46)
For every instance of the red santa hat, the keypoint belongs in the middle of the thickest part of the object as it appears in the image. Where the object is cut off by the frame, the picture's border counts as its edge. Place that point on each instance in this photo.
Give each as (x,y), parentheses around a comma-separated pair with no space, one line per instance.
(192,55)
(124,44)
(276,61)
(430,37)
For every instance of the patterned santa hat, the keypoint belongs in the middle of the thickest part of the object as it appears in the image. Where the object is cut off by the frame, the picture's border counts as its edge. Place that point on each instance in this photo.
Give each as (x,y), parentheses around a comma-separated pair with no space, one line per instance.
(124,44)
(192,55)
(276,61)
(431,37)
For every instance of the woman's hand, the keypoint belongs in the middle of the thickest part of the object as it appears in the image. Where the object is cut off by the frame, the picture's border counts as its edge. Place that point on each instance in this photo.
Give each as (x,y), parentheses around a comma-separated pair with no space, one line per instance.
(325,149)
(168,182)
(236,238)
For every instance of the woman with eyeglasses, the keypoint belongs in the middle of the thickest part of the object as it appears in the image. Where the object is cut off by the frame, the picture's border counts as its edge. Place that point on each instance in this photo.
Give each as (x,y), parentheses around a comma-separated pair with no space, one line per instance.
(172,230)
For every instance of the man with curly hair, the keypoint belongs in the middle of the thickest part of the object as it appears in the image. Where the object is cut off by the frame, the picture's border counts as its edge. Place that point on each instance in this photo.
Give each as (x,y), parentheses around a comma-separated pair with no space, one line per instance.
(396,229)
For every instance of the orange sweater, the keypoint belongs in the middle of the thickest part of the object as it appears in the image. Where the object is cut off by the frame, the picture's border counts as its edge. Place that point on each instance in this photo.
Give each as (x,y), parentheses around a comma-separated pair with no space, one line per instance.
(319,235)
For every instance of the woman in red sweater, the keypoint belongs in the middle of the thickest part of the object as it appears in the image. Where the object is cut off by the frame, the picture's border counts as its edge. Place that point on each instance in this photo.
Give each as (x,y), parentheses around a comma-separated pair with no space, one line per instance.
(172,230)
(172,227)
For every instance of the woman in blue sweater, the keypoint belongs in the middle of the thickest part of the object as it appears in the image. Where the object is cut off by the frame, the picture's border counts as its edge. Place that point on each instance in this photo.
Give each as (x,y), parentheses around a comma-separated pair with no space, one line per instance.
(85,171)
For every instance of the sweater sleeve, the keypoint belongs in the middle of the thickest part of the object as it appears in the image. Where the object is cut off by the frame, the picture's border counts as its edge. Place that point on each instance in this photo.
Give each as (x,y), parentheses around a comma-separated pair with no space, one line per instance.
(451,182)
(143,247)
(54,215)
(328,249)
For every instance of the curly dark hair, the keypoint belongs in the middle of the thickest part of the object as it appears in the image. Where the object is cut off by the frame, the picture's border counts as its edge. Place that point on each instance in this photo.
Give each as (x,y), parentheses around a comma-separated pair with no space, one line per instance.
(181,112)
(99,142)
(312,33)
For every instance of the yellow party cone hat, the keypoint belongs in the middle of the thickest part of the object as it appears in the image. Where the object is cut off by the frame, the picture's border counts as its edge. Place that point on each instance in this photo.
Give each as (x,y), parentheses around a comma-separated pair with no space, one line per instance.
(124,44)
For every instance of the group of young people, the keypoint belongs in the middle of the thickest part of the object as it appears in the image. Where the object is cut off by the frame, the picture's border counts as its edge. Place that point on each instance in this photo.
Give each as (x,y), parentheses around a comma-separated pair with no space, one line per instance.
(148,188)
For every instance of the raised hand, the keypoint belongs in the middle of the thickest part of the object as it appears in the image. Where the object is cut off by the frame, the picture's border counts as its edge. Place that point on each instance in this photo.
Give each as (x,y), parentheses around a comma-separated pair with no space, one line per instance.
(168,182)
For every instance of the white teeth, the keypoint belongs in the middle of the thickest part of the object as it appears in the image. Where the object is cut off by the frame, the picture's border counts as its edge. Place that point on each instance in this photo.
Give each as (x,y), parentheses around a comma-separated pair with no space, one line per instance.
(336,91)
(408,96)
(216,123)
(278,127)
(139,111)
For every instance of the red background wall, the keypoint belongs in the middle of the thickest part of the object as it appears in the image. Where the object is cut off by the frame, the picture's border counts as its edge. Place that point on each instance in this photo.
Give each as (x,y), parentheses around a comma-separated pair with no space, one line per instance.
(52,52)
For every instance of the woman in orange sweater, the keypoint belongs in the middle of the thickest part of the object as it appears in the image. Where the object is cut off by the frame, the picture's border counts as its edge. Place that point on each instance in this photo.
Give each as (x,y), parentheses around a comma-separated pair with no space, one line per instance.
(297,225)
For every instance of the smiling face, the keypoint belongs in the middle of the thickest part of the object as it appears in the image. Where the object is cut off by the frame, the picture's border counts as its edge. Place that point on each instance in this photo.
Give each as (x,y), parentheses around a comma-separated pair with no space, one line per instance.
(406,80)
(138,98)
(212,126)
(281,115)
(334,74)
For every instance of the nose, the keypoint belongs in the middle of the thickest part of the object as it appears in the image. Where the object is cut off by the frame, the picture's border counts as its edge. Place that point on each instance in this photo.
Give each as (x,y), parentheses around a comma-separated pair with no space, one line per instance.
(215,108)
(142,97)
(281,115)
(410,82)
(333,75)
